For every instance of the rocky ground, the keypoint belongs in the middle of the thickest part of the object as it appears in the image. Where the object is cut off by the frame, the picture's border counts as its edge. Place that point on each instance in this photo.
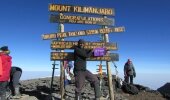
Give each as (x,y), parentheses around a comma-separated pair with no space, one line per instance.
(39,89)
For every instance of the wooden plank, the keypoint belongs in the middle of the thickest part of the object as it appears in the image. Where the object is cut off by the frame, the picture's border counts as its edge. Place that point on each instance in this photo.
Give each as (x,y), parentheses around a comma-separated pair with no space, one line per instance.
(82,33)
(70,56)
(81,20)
(88,45)
(81,9)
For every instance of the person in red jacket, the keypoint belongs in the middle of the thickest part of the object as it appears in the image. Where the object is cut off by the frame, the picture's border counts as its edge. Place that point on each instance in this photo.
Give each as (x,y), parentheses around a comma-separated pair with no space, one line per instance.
(5,67)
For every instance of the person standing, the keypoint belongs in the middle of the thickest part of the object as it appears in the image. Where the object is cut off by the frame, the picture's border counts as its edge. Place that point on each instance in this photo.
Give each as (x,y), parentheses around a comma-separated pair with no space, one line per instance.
(15,75)
(129,71)
(81,73)
(5,67)
(68,66)
(68,75)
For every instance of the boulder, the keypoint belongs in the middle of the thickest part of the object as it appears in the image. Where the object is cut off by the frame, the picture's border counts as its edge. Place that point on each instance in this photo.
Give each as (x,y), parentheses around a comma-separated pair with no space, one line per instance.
(165,90)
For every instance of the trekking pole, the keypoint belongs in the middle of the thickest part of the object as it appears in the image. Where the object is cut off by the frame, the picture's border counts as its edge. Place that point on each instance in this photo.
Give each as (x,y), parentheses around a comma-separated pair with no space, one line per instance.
(100,72)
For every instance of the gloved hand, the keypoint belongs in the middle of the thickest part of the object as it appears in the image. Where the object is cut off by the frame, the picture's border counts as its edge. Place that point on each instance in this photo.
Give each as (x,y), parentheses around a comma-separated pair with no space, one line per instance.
(134,75)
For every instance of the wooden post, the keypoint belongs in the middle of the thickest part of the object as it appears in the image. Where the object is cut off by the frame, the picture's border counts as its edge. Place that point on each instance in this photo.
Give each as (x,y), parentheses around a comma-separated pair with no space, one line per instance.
(61,29)
(52,78)
(109,74)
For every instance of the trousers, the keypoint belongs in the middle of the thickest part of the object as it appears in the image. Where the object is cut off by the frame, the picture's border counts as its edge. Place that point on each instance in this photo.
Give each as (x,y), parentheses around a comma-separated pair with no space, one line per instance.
(3,88)
(129,77)
(14,78)
(80,78)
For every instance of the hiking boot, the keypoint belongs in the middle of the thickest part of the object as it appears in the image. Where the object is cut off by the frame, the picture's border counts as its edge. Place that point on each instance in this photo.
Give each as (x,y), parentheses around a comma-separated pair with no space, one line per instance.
(16,91)
(15,97)
(101,98)
(17,94)
(23,96)
(2,97)
(8,94)
(78,98)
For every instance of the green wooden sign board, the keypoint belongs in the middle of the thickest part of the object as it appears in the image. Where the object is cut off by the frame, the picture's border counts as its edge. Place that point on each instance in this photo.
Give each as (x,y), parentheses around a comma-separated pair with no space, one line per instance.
(88,45)
(82,33)
(81,20)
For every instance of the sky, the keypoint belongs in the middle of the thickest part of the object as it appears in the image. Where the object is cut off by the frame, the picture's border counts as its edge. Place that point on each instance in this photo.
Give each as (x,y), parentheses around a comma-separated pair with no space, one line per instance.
(146,40)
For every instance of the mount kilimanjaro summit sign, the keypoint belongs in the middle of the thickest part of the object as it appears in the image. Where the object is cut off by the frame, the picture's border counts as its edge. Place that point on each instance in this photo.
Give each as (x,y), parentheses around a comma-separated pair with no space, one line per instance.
(80,9)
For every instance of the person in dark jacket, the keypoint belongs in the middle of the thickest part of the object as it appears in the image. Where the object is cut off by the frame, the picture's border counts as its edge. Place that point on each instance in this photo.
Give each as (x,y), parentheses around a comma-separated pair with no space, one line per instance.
(129,71)
(81,73)
(15,75)
(5,67)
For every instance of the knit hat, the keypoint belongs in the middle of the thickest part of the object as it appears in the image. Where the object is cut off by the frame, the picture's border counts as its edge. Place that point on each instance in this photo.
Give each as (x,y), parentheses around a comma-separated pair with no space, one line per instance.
(81,41)
(129,60)
(4,48)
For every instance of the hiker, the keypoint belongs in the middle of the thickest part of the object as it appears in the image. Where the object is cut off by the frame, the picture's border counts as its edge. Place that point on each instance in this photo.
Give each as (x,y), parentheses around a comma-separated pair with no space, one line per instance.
(129,71)
(81,73)
(14,84)
(68,66)
(5,67)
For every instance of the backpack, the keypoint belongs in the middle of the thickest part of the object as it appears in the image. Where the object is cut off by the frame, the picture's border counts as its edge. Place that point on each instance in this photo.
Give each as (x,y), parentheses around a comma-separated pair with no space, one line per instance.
(129,88)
